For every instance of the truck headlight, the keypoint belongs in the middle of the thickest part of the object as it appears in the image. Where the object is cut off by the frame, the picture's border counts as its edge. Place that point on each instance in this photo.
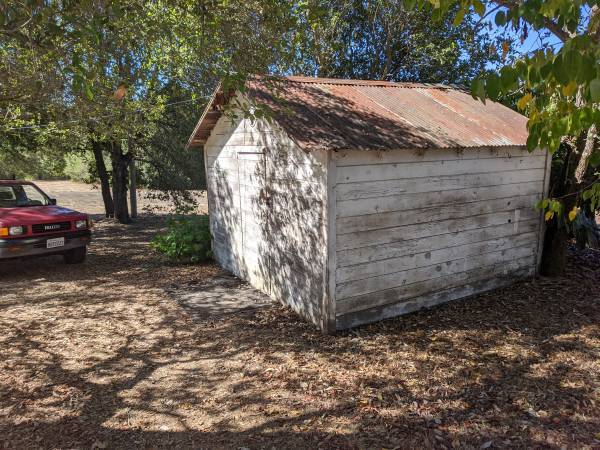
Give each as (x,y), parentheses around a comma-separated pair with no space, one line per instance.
(15,231)
(79,224)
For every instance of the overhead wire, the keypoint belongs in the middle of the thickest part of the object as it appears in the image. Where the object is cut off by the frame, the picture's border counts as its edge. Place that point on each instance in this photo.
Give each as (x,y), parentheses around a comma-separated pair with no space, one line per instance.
(135,111)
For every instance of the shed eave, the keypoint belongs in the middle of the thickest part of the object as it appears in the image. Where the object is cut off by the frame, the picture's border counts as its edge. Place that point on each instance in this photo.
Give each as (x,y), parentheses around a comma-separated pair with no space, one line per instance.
(206,122)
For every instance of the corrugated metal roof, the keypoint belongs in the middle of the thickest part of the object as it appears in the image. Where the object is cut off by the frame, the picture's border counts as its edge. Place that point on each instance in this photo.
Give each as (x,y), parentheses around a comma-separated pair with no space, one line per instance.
(332,114)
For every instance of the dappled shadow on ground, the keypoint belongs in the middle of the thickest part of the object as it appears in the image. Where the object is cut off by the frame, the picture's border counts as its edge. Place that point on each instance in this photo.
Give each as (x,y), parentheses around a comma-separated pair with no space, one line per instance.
(98,355)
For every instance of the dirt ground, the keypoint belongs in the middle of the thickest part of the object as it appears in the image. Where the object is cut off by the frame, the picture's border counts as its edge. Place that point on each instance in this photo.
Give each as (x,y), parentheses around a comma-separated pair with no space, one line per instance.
(87,198)
(101,356)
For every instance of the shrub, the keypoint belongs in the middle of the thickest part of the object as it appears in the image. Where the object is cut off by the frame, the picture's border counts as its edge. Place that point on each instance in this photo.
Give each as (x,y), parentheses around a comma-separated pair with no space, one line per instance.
(186,240)
(77,167)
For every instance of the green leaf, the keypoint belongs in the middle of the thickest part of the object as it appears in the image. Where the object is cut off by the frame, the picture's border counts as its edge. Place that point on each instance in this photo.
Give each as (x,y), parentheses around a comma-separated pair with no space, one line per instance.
(569,89)
(571,63)
(532,141)
(478,89)
(534,136)
(595,90)
(479,7)
(595,159)
(459,17)
(492,86)
(587,69)
(88,92)
(533,75)
(558,70)
(546,70)
(500,18)
(508,78)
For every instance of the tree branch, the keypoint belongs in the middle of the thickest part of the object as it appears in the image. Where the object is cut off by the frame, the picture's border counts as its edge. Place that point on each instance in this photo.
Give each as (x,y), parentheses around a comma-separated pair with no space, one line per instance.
(586,154)
(14,30)
(552,26)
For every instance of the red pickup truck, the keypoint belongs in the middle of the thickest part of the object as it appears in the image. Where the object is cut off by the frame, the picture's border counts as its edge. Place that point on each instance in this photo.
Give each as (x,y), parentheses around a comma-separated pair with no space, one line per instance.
(31,224)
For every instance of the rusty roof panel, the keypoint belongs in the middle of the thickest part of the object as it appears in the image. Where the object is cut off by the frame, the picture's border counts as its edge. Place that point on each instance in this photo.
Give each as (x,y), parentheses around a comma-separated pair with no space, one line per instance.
(334,114)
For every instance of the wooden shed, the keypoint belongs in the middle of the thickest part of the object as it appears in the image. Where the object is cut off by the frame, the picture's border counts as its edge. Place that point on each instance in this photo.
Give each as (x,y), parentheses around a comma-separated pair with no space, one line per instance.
(356,201)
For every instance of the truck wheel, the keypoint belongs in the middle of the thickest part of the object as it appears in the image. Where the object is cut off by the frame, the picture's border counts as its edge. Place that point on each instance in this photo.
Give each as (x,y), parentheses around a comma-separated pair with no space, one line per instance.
(75,256)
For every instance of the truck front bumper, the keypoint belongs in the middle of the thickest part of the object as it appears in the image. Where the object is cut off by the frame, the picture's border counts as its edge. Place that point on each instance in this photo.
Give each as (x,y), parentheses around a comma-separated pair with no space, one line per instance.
(36,246)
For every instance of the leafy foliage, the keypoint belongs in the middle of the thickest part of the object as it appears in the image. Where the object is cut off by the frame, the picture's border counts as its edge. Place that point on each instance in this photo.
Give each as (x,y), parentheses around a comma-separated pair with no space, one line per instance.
(386,40)
(187,239)
(123,74)
(558,87)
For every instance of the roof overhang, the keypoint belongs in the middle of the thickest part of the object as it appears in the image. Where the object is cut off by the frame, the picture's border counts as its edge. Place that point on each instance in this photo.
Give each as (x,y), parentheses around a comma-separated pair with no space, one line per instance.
(211,115)
(331,114)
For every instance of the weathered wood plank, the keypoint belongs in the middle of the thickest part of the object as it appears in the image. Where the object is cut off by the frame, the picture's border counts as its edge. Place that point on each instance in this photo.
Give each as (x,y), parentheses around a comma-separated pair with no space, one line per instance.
(405,247)
(472,286)
(349,208)
(429,273)
(415,290)
(307,189)
(427,258)
(360,157)
(224,151)
(222,163)
(223,139)
(406,232)
(379,172)
(295,172)
(329,249)
(427,214)
(371,189)
(276,140)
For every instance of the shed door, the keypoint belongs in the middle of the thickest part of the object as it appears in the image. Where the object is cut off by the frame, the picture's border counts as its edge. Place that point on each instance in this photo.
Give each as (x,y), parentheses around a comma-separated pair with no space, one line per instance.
(254,211)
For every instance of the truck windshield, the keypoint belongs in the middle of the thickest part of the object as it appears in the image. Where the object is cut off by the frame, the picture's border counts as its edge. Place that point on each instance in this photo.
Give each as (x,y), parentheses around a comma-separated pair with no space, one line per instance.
(21,195)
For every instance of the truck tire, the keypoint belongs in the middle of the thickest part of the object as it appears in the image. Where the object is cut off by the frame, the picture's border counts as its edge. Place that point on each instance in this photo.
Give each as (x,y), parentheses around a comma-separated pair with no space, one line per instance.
(75,256)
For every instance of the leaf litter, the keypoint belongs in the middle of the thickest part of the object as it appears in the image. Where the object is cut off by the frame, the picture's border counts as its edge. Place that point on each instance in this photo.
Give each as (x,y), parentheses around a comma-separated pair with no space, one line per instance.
(98,356)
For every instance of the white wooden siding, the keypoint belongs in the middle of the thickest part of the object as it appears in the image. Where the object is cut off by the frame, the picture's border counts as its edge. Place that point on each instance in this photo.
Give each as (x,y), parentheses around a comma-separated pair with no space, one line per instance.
(297,192)
(267,204)
(351,237)
(414,229)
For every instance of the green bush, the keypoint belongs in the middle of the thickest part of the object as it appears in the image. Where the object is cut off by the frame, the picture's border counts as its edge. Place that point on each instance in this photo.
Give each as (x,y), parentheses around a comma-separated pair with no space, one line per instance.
(186,240)
(77,167)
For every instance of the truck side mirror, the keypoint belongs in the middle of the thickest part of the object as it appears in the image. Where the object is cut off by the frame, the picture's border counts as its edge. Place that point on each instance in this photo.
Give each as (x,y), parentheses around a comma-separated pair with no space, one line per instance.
(52,201)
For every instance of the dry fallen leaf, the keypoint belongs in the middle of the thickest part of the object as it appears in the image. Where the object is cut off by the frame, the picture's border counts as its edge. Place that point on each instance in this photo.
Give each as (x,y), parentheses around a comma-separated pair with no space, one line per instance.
(120,92)
(109,348)
(98,445)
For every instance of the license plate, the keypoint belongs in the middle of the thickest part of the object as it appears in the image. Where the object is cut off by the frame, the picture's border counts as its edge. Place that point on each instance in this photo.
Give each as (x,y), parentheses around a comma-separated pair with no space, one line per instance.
(56,242)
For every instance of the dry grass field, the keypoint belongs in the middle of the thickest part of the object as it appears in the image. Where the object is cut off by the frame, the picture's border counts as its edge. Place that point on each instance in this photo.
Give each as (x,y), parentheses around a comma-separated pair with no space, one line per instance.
(88,199)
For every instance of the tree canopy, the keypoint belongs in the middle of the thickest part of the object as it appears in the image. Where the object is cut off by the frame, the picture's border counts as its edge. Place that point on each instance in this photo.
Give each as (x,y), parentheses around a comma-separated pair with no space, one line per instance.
(127,79)
(558,88)
(386,40)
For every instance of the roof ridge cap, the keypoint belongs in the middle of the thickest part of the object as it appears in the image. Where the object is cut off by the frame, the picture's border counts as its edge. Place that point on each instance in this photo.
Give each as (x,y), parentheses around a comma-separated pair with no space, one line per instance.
(357,82)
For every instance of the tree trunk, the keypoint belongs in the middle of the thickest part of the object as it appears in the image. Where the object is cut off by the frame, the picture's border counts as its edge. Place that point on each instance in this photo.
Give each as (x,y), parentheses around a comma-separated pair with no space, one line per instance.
(554,257)
(554,260)
(133,188)
(109,206)
(120,163)
(586,154)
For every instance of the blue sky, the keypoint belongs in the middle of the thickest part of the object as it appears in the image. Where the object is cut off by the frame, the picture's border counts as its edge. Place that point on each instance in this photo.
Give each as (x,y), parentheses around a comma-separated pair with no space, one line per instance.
(535,39)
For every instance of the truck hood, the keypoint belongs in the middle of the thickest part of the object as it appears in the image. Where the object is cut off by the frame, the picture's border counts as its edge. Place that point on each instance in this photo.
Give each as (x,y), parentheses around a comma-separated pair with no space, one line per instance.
(37,214)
